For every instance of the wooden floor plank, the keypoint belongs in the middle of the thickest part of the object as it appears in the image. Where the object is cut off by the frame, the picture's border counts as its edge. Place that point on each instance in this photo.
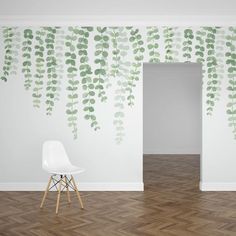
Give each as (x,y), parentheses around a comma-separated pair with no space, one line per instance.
(170,205)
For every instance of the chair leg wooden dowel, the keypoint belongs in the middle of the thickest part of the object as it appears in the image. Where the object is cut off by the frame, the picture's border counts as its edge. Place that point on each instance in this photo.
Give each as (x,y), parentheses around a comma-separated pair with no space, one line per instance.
(67,189)
(77,192)
(46,192)
(59,195)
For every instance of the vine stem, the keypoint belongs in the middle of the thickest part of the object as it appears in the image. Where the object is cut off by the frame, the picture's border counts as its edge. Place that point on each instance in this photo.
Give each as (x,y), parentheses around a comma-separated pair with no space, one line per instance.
(72,106)
(153,43)
(39,66)
(132,81)
(233,99)
(116,57)
(8,50)
(8,43)
(99,91)
(233,108)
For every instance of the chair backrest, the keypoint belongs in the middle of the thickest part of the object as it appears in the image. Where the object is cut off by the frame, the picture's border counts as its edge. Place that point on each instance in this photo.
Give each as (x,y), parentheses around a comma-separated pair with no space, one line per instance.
(54,155)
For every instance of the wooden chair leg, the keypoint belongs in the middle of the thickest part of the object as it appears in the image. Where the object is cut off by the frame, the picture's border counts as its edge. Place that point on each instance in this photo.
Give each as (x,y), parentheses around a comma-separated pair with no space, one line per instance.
(67,189)
(77,192)
(59,194)
(46,192)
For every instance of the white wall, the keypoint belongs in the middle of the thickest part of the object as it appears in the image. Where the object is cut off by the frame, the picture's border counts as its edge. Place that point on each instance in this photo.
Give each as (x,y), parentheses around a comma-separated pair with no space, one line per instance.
(23,130)
(109,166)
(21,150)
(121,7)
(172,108)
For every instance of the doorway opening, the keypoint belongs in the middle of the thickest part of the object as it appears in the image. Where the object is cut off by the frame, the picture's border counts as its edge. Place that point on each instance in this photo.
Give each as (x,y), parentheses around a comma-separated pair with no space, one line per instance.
(172,124)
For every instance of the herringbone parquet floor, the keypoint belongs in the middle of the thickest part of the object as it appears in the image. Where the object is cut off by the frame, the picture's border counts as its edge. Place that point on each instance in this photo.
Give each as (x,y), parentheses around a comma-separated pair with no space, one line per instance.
(170,205)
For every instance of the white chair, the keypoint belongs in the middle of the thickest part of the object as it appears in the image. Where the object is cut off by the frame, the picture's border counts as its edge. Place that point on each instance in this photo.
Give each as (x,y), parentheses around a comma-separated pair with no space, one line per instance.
(56,162)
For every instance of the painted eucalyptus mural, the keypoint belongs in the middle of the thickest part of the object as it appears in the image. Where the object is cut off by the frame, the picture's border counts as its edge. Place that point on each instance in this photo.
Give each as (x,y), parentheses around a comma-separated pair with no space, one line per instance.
(91,61)
(231,68)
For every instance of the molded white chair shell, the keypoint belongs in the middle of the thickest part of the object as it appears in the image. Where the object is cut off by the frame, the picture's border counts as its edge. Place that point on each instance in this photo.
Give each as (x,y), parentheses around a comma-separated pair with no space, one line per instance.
(56,161)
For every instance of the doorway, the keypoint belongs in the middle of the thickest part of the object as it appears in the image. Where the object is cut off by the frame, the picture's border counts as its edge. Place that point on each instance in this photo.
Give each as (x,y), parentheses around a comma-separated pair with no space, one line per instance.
(172,117)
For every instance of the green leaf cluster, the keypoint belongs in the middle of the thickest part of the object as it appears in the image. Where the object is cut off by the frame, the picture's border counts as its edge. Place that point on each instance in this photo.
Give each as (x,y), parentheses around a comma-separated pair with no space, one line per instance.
(231,67)
(200,46)
(101,53)
(39,50)
(15,50)
(59,53)
(73,82)
(51,63)
(187,43)
(153,44)
(123,73)
(168,41)
(116,57)
(27,57)
(211,63)
(8,57)
(135,71)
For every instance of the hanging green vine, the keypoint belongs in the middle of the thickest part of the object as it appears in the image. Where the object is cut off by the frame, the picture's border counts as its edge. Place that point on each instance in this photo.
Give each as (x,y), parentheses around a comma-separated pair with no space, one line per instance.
(101,53)
(187,44)
(219,54)
(27,57)
(40,67)
(135,71)
(153,44)
(115,52)
(200,46)
(72,88)
(116,73)
(168,41)
(51,69)
(176,46)
(86,77)
(123,47)
(220,47)
(7,35)
(213,85)
(59,52)
(119,114)
(231,66)
(15,50)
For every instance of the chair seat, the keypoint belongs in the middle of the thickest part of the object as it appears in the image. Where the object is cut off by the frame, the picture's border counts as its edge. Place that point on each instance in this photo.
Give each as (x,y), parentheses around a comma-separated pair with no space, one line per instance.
(66,170)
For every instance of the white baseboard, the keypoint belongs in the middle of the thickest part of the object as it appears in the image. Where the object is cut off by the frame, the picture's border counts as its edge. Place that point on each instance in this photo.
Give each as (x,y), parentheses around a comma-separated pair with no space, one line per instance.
(171,152)
(82,186)
(222,186)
